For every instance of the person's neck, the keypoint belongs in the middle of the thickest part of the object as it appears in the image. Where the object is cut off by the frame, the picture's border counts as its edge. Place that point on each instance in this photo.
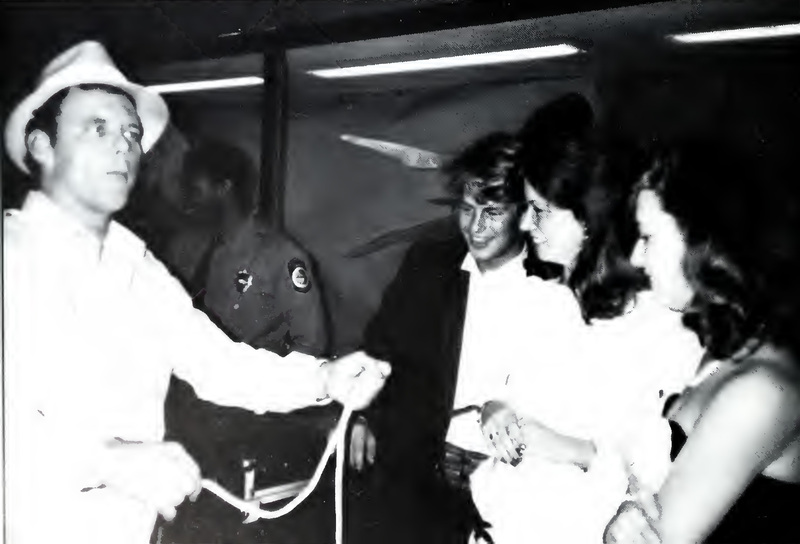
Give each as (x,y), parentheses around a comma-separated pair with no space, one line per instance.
(569,268)
(502,260)
(207,225)
(232,218)
(93,221)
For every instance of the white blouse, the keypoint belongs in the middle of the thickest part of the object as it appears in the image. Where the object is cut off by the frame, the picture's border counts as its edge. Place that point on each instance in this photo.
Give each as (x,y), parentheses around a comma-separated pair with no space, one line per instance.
(605,382)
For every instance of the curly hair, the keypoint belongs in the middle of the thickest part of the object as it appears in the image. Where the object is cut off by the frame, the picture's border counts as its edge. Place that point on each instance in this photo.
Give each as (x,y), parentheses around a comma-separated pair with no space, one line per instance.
(728,217)
(566,160)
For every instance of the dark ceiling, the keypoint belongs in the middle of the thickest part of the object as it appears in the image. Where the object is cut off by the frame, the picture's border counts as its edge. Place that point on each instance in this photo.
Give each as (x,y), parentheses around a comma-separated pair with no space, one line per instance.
(152,32)
(143,34)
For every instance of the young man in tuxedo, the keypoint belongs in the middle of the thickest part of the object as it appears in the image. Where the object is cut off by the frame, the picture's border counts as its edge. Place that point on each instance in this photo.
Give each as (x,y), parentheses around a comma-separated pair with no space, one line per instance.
(437,325)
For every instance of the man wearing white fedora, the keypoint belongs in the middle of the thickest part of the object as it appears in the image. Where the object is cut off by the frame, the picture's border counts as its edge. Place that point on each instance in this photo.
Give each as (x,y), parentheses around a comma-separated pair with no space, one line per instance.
(95,325)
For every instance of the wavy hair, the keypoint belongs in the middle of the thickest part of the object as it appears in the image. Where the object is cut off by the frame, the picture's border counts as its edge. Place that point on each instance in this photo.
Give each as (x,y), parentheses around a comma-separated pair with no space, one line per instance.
(729,217)
(490,163)
(566,160)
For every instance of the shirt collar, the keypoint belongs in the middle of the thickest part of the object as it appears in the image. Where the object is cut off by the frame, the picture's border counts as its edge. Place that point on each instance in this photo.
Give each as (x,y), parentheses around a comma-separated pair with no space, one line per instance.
(513,268)
(49,217)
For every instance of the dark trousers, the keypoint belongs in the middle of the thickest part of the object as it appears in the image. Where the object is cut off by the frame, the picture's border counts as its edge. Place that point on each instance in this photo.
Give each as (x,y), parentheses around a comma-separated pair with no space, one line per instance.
(384,507)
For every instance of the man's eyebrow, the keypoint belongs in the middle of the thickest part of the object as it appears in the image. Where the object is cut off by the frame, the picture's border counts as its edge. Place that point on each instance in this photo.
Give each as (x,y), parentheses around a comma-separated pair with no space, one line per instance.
(98,120)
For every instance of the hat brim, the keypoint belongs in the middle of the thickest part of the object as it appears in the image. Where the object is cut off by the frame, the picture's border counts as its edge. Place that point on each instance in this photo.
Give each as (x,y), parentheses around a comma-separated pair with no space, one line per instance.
(150,106)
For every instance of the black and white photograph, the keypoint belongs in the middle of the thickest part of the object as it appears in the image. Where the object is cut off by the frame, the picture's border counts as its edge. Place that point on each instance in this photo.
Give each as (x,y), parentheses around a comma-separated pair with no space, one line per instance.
(400,272)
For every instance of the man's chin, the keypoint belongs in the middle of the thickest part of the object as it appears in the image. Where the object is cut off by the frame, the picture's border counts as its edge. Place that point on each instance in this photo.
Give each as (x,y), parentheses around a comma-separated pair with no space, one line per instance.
(485,253)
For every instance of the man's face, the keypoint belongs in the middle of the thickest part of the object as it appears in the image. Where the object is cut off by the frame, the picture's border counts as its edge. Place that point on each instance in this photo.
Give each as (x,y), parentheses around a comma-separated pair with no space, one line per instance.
(95,159)
(491,229)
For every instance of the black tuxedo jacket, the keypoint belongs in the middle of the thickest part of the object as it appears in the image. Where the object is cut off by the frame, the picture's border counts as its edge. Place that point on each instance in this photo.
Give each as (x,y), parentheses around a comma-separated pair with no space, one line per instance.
(418,329)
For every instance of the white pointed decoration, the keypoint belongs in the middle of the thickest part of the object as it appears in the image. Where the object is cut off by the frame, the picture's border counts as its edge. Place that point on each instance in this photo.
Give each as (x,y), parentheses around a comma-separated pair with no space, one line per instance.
(410,156)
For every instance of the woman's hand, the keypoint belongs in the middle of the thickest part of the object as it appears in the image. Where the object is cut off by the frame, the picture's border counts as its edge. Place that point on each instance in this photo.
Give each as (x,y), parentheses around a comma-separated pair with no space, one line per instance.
(634,523)
(509,436)
(502,432)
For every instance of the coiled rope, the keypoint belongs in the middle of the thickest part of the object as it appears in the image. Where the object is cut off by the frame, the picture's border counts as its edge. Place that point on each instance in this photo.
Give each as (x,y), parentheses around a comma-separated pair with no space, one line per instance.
(336,443)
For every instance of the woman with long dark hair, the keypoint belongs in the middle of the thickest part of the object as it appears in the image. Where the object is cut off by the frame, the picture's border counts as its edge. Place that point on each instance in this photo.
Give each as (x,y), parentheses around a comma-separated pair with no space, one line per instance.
(716,240)
(589,400)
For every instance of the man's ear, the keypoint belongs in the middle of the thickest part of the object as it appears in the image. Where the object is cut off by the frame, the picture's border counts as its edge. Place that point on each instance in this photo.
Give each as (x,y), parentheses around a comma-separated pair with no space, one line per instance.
(38,143)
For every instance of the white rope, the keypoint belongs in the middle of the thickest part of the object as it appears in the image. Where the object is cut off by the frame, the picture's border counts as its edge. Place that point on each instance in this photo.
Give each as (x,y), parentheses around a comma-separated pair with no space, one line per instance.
(335,442)
(338,481)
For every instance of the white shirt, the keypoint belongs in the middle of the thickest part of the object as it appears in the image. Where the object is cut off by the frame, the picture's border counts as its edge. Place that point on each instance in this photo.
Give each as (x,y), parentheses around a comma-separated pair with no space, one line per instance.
(607,384)
(512,322)
(93,331)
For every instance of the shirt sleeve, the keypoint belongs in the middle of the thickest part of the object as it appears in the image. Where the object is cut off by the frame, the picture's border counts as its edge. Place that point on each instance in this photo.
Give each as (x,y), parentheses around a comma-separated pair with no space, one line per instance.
(223,371)
(658,356)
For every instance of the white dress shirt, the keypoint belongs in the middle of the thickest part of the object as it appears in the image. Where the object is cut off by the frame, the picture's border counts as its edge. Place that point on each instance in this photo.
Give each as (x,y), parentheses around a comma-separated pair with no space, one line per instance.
(93,331)
(512,322)
(607,383)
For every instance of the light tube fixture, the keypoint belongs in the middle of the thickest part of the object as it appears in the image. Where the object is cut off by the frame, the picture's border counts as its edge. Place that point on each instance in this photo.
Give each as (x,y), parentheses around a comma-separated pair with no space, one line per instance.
(754,33)
(206,85)
(458,61)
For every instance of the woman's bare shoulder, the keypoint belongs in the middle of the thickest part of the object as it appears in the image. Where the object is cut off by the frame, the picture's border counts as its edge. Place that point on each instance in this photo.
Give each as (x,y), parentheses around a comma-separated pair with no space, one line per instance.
(769,380)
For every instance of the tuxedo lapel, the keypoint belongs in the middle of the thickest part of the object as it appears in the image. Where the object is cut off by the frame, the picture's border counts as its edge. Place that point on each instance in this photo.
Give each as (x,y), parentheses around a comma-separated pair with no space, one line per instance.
(453,335)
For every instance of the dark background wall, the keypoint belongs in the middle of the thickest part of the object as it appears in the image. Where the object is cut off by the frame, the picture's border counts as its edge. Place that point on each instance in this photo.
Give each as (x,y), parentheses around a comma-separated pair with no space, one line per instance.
(228,117)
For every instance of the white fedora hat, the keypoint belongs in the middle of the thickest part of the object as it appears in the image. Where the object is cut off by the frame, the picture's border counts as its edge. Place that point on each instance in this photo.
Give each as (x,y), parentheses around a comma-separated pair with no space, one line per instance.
(85,63)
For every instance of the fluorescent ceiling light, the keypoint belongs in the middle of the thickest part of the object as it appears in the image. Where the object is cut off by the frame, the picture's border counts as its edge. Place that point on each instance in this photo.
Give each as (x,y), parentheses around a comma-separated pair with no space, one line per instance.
(754,33)
(478,59)
(206,85)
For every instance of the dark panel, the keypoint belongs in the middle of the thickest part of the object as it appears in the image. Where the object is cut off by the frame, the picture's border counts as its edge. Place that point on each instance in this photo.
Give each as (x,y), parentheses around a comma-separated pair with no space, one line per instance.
(274,130)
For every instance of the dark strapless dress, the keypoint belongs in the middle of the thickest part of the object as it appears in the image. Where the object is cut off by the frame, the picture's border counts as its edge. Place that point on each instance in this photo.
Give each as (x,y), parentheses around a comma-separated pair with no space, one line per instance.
(768,512)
